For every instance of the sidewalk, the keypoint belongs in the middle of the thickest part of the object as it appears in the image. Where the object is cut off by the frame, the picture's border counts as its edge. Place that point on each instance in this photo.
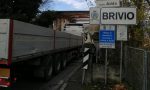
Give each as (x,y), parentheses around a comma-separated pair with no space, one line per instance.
(75,82)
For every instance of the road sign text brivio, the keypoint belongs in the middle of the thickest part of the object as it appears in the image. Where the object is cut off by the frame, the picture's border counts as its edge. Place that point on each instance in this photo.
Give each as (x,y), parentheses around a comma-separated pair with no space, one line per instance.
(118,16)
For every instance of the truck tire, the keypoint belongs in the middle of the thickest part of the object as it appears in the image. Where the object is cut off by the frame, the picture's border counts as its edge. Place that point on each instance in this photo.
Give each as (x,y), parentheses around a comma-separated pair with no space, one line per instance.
(48,71)
(57,65)
(64,61)
(69,55)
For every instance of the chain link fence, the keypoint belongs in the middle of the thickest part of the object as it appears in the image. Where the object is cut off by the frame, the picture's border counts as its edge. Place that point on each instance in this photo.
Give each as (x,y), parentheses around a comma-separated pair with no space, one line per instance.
(148,70)
(136,65)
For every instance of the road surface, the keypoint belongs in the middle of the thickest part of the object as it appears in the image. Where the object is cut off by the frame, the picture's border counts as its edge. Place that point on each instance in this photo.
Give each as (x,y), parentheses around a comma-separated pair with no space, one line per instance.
(58,82)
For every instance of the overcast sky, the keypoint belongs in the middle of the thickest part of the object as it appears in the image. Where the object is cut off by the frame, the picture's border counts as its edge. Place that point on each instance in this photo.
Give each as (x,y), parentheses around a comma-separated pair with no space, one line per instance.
(66,5)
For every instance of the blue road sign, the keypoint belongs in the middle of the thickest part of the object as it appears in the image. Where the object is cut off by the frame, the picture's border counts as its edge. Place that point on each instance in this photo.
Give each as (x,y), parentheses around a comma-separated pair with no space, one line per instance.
(107,38)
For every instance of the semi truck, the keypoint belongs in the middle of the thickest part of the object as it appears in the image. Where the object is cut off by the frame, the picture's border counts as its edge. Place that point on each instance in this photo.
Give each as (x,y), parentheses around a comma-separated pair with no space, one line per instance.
(27,47)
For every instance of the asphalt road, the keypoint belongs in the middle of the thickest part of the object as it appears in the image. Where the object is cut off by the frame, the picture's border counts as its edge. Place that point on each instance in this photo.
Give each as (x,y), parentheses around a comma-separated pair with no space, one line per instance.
(58,82)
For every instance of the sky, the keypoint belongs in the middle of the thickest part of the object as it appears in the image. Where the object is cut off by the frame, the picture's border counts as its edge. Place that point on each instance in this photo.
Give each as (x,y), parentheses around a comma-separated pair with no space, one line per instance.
(66,5)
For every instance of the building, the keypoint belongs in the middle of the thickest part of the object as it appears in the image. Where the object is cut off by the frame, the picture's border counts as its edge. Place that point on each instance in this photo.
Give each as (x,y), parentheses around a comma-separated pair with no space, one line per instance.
(65,17)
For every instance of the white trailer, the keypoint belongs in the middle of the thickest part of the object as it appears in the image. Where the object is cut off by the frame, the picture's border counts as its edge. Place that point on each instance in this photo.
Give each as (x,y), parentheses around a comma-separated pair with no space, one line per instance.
(23,45)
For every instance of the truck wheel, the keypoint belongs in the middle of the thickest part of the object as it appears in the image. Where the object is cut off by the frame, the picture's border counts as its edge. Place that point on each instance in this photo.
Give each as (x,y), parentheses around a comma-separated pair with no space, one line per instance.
(48,71)
(64,61)
(69,55)
(57,63)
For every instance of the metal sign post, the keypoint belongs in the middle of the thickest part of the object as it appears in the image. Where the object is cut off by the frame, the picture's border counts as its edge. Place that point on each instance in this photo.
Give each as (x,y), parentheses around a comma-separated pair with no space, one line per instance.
(121,36)
(110,15)
(121,55)
(106,67)
(107,40)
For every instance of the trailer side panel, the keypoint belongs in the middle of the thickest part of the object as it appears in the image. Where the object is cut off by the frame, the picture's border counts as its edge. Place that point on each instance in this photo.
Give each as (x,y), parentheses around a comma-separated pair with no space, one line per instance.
(4,38)
(30,39)
(62,40)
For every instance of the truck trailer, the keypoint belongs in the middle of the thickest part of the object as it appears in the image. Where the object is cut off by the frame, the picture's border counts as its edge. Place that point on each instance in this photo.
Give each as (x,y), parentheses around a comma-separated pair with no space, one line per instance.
(27,47)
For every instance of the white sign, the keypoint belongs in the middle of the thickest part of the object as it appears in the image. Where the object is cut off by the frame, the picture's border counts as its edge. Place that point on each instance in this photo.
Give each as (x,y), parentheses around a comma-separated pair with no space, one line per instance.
(94,15)
(107,3)
(118,16)
(122,32)
(107,27)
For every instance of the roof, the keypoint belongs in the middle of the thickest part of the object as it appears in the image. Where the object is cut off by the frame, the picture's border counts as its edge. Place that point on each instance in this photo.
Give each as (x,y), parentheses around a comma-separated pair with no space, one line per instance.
(73,14)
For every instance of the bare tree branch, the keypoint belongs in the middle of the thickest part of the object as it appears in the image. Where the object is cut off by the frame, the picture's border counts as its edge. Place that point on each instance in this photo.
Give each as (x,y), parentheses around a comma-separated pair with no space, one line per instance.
(148,1)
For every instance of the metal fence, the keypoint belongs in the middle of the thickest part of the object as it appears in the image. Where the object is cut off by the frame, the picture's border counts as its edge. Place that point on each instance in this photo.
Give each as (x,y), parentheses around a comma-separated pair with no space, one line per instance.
(148,70)
(137,64)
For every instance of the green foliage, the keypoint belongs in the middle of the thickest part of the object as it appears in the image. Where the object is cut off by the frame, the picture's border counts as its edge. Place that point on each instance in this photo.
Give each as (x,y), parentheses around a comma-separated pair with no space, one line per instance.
(137,32)
(139,35)
(141,15)
(95,36)
(46,18)
(27,11)
(23,10)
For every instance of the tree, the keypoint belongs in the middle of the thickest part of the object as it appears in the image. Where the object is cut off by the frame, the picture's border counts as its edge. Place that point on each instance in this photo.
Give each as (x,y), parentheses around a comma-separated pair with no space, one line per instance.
(137,32)
(24,10)
(46,18)
(148,1)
